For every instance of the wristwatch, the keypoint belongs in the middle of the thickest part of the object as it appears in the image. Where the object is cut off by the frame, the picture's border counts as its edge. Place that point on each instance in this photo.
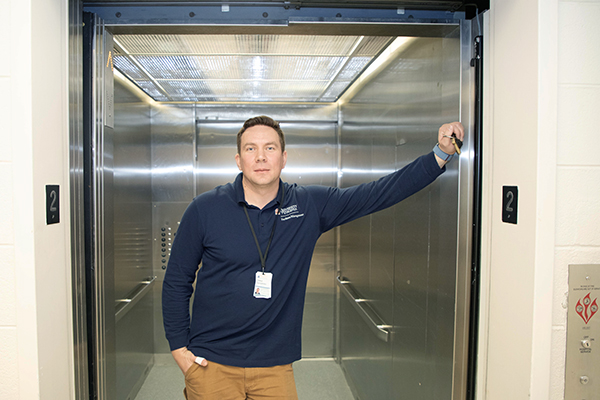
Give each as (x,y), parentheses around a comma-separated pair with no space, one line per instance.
(440,153)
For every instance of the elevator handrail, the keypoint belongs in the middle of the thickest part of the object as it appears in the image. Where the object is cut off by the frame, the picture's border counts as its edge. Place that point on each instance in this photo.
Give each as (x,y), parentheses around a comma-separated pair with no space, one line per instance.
(361,305)
(123,306)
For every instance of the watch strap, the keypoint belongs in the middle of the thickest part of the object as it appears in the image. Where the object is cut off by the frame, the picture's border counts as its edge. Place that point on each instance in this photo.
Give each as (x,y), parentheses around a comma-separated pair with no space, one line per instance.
(440,153)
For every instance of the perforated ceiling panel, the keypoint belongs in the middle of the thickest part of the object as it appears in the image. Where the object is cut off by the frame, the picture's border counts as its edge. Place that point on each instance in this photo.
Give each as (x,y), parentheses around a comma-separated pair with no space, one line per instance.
(245,67)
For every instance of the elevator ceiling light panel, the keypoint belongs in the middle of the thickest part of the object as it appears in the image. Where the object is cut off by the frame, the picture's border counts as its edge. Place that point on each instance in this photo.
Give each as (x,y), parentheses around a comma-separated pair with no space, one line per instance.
(245,68)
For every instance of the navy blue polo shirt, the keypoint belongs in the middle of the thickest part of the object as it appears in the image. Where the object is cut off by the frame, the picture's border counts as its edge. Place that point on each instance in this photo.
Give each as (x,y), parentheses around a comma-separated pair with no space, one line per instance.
(228,324)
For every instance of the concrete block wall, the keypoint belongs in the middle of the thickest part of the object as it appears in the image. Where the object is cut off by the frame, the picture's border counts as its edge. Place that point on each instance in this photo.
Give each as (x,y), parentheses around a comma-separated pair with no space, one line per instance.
(8,301)
(578,162)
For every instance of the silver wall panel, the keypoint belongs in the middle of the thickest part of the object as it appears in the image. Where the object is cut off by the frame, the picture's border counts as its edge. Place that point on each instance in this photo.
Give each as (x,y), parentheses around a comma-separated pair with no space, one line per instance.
(160,156)
(173,188)
(281,112)
(134,348)
(467,175)
(132,192)
(76,182)
(165,219)
(102,285)
(173,131)
(426,279)
(132,226)
(366,260)
(216,149)
(409,270)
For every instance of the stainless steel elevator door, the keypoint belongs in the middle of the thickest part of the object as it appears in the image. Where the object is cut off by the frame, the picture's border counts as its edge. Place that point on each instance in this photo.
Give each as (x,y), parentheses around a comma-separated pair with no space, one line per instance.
(119,242)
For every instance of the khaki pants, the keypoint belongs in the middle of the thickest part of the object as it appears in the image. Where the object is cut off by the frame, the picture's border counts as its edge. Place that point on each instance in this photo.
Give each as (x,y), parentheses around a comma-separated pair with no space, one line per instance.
(222,382)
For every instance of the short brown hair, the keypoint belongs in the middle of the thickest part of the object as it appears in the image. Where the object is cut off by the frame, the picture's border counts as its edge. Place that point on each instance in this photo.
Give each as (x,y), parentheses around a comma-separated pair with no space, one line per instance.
(261,120)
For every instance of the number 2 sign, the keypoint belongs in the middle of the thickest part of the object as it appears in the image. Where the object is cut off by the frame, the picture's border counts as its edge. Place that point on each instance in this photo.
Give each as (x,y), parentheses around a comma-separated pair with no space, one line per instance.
(52,204)
(510,196)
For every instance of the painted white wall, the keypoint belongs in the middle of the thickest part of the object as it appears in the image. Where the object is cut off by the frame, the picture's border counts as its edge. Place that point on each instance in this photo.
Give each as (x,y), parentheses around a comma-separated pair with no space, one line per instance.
(35,302)
(542,97)
(8,303)
(578,164)
(510,158)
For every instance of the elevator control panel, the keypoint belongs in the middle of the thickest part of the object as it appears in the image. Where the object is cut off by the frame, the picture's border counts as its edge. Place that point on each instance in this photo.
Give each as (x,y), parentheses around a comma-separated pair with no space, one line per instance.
(582,377)
(165,240)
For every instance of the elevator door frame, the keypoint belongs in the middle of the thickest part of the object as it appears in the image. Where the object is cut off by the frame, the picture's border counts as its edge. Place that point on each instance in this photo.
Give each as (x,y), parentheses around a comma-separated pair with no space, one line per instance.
(380,20)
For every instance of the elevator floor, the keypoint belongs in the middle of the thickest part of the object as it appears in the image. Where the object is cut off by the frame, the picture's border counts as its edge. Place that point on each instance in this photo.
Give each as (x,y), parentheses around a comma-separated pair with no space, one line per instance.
(316,379)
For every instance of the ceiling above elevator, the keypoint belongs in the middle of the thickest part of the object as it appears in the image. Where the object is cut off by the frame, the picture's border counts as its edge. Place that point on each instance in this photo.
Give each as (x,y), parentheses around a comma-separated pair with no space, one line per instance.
(245,67)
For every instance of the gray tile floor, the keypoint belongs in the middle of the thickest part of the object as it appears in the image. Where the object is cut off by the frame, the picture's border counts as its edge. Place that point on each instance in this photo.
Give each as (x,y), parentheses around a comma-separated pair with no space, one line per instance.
(316,379)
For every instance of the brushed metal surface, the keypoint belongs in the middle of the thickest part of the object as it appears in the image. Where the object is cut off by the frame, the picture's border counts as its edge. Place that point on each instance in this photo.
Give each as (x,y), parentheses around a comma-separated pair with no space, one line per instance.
(582,370)
(403,258)
(165,215)
(173,187)
(400,259)
(366,359)
(426,279)
(101,271)
(132,192)
(173,132)
(363,307)
(134,348)
(131,227)
(466,176)
(126,304)
(76,181)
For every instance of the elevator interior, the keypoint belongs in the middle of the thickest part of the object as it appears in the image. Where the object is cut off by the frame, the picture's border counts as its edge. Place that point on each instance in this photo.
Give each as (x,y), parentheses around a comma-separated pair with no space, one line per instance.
(388,295)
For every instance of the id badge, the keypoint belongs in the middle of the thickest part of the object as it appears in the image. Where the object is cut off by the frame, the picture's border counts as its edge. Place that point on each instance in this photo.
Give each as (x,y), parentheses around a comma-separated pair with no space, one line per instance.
(262,285)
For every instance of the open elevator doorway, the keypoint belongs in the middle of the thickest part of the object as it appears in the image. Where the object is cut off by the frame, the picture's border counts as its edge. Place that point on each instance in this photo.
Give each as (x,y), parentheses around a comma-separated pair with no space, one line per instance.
(171,137)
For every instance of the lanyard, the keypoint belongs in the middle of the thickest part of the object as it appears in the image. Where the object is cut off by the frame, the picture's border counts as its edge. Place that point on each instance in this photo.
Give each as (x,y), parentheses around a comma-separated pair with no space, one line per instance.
(263,258)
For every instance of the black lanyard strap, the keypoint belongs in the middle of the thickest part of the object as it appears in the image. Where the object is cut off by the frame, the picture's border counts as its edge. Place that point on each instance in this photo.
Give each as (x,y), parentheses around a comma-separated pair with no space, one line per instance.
(263,258)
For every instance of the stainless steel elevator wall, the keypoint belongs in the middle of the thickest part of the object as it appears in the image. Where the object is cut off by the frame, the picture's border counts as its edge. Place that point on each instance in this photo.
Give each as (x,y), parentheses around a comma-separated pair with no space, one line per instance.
(402,259)
(172,190)
(407,262)
(132,226)
(193,151)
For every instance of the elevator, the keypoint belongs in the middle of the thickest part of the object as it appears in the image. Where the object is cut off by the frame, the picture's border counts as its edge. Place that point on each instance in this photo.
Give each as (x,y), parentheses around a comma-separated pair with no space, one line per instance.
(360,92)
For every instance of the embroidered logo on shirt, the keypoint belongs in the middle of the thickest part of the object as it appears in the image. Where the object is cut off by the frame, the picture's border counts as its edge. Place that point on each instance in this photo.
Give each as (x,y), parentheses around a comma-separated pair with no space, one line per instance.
(290,212)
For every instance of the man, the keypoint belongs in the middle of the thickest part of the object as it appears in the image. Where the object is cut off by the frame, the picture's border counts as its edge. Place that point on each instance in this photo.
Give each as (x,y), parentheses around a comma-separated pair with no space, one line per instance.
(255,238)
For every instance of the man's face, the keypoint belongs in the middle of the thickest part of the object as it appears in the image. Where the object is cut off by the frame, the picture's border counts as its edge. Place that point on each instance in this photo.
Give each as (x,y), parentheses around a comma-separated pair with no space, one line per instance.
(261,159)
